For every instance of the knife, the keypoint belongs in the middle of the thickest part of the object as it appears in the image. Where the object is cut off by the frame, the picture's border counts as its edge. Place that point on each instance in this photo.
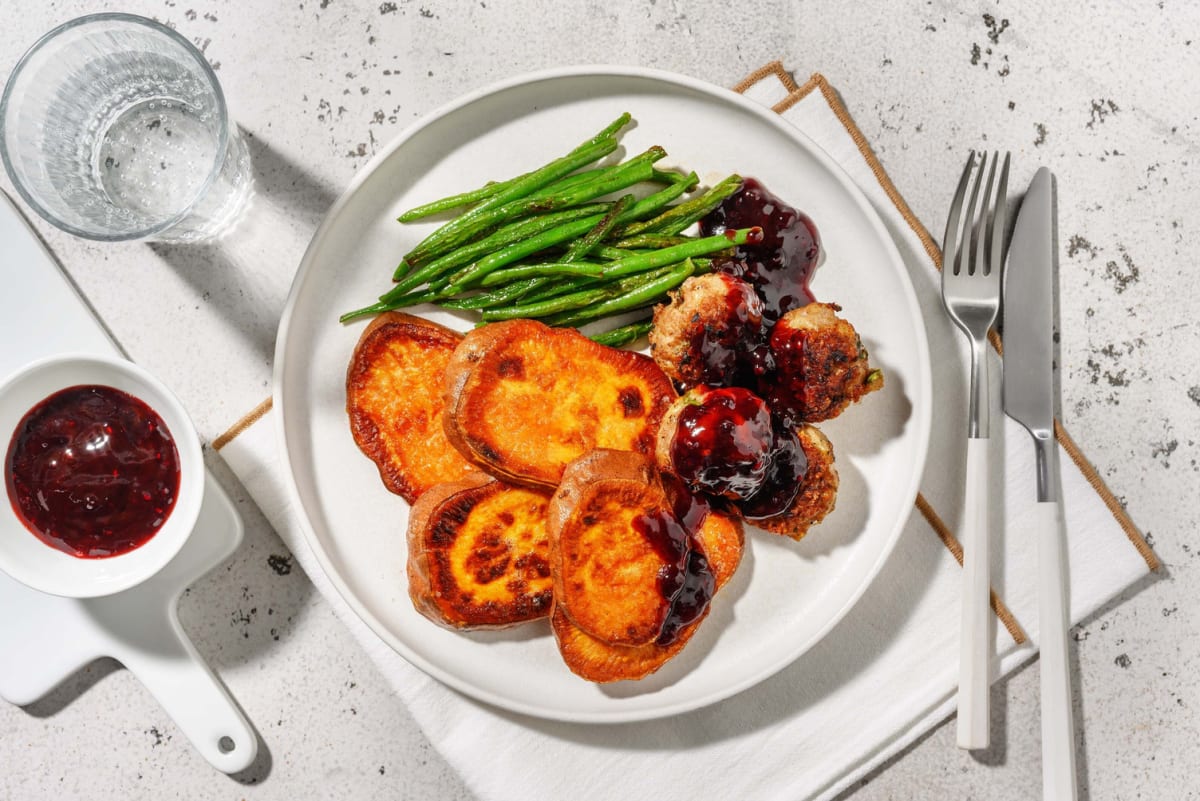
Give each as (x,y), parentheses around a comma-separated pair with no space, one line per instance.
(1029,399)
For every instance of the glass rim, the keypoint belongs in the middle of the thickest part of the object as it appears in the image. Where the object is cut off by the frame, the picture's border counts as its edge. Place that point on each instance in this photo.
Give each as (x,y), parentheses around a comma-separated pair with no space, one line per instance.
(157,27)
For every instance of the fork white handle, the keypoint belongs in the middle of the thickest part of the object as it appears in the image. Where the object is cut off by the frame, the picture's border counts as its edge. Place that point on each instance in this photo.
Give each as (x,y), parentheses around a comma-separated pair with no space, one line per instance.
(974,638)
(1058,738)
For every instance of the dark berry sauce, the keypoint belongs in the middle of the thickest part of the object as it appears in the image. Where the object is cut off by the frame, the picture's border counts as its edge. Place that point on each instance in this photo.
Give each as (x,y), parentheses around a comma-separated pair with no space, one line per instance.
(722,442)
(690,508)
(92,471)
(786,389)
(685,580)
(784,478)
(693,597)
(780,265)
(725,346)
(669,539)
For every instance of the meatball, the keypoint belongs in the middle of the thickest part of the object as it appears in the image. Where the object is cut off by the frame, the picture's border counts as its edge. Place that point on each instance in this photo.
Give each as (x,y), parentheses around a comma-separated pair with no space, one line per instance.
(818,489)
(704,334)
(717,441)
(820,366)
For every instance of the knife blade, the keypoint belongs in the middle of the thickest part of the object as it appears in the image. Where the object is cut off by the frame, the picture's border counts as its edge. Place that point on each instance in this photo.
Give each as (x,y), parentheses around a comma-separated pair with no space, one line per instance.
(1028,340)
(1029,323)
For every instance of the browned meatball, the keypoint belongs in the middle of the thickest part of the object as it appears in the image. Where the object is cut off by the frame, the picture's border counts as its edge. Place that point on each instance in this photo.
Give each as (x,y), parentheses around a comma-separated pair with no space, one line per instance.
(818,490)
(820,365)
(700,336)
(718,441)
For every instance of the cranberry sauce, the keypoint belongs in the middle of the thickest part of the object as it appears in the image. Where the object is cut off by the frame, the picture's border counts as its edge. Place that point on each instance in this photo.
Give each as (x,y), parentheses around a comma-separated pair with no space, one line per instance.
(92,471)
(689,508)
(726,346)
(784,477)
(786,390)
(722,441)
(670,541)
(689,605)
(685,581)
(780,266)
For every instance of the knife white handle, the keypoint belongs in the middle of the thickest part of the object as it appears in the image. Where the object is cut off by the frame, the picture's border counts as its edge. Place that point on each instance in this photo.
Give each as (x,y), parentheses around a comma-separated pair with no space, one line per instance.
(1058,738)
(974,657)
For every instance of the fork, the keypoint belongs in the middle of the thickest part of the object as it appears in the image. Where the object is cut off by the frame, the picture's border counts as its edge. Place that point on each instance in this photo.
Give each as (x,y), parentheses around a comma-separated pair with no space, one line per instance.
(972,263)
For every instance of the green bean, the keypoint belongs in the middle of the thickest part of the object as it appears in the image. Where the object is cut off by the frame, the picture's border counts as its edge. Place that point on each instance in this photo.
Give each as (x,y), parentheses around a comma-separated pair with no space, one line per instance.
(509,293)
(480,218)
(430,246)
(618,285)
(563,233)
(519,250)
(623,335)
(493,187)
(453,201)
(632,282)
(577,268)
(656,176)
(544,308)
(506,235)
(585,244)
(648,291)
(612,254)
(609,130)
(413,299)
(555,287)
(649,240)
(640,262)
(678,218)
(574,179)
(671,176)
(654,202)
(484,192)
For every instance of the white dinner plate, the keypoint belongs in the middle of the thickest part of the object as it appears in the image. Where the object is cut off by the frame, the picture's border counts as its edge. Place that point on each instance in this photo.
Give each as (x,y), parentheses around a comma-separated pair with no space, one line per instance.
(786,595)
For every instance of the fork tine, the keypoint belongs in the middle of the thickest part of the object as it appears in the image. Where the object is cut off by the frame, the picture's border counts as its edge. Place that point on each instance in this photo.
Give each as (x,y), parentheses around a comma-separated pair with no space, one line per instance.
(950,249)
(981,237)
(972,236)
(999,220)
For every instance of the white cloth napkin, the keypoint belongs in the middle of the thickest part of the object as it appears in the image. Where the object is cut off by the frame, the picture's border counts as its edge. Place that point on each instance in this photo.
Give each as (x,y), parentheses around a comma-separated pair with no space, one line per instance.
(885,675)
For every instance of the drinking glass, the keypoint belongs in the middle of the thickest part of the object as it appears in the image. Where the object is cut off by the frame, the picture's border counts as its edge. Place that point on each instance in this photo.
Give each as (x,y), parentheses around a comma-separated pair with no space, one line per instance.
(113,127)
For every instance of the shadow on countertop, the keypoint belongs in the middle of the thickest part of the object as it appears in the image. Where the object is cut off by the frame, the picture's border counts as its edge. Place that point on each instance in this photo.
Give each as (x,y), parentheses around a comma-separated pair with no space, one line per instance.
(246,273)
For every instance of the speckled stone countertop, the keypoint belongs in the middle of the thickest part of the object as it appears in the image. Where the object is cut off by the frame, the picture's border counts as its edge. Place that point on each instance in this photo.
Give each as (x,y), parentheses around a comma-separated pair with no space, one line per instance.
(1101,94)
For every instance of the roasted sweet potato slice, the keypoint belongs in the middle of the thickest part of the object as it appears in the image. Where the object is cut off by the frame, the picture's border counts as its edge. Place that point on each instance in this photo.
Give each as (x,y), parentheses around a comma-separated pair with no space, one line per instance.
(610,609)
(395,401)
(478,555)
(605,570)
(523,400)
(598,661)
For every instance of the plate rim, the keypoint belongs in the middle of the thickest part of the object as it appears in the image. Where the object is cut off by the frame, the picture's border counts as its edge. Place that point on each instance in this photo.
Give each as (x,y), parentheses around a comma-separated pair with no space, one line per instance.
(921,389)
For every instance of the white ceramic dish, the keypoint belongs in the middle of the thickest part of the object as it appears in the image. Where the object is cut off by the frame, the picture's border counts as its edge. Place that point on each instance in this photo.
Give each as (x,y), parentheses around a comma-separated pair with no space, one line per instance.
(786,595)
(34,563)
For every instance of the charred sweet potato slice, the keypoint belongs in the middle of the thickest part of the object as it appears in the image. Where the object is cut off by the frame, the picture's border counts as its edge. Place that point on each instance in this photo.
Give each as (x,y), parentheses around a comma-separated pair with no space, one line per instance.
(478,555)
(395,402)
(722,540)
(605,570)
(523,400)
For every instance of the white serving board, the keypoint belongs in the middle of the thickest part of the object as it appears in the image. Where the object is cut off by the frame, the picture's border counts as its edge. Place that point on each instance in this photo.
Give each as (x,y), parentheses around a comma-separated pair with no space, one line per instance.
(46,638)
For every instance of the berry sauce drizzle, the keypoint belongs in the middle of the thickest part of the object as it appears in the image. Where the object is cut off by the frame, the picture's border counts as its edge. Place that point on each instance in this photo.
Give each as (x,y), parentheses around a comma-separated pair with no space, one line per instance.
(722,442)
(779,266)
(685,580)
